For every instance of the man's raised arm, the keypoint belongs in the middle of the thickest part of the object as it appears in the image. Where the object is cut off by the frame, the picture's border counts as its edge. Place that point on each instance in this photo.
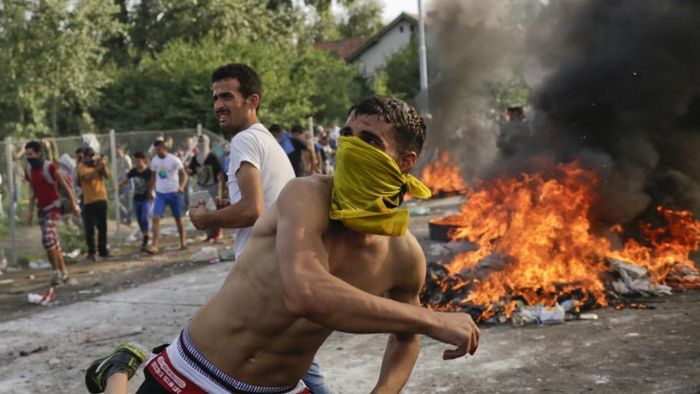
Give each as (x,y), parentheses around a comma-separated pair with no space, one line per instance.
(312,292)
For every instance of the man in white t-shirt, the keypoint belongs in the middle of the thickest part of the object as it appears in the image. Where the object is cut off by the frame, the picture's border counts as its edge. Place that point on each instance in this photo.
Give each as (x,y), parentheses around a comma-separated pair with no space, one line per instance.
(168,178)
(258,167)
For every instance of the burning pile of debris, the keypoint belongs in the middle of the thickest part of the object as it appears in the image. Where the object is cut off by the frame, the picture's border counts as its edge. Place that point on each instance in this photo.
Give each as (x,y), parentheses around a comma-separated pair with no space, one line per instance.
(530,253)
(443,177)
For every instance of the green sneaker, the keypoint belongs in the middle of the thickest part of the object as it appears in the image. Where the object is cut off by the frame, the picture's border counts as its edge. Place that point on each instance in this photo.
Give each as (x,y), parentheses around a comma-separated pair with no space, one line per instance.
(125,358)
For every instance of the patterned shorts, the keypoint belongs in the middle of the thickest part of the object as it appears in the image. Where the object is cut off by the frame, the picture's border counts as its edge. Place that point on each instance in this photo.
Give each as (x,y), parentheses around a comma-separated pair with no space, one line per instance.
(47,221)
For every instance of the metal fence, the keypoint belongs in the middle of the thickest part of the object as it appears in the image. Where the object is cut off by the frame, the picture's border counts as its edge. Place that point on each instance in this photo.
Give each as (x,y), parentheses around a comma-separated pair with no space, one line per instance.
(15,191)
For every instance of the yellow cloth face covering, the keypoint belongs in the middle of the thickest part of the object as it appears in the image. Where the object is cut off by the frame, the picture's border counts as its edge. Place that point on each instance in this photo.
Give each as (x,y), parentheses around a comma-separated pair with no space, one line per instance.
(368,187)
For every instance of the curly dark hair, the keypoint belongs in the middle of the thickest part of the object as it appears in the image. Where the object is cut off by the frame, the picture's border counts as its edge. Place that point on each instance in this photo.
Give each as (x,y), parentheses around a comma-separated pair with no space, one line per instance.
(408,124)
(247,78)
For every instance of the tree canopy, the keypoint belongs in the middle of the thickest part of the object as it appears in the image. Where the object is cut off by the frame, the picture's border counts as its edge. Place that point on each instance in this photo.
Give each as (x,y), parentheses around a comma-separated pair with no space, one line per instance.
(72,66)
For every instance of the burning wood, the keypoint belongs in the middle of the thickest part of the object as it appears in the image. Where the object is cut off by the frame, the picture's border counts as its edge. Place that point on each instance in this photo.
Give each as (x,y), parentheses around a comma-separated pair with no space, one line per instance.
(535,246)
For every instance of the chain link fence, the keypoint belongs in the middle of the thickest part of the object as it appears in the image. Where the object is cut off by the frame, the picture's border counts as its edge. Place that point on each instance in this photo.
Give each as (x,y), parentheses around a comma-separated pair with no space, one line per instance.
(15,190)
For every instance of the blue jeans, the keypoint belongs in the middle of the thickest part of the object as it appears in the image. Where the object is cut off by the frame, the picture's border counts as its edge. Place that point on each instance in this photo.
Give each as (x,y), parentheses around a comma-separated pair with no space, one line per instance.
(141,208)
(315,382)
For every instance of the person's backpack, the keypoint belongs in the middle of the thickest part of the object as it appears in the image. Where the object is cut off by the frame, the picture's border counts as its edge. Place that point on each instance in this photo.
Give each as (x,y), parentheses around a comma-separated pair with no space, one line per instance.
(46,172)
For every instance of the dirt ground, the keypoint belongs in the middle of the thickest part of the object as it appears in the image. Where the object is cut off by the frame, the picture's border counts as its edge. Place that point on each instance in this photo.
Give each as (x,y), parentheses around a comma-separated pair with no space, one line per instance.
(46,349)
(128,268)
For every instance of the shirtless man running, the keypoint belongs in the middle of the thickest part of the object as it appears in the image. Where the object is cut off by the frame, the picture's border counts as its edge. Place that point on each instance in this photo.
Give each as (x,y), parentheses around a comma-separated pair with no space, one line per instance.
(348,264)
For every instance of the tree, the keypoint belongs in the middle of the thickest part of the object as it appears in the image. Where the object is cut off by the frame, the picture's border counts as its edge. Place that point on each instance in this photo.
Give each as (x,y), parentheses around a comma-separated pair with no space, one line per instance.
(155,23)
(174,89)
(403,73)
(363,19)
(49,51)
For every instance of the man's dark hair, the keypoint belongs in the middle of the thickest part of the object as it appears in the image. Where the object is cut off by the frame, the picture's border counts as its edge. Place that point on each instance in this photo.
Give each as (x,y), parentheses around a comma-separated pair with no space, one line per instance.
(79,151)
(140,155)
(275,128)
(408,124)
(296,129)
(33,145)
(248,79)
(158,143)
(88,151)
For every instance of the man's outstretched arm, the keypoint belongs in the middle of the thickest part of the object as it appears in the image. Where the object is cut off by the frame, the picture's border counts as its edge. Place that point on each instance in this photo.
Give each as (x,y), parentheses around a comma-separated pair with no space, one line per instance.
(312,292)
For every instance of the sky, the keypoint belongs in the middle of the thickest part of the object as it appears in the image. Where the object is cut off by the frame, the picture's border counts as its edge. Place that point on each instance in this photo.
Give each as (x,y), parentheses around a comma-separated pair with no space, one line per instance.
(392,8)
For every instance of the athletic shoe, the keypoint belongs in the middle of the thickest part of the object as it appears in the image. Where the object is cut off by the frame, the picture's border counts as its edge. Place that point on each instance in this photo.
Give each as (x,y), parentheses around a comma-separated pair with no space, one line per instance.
(48,297)
(125,358)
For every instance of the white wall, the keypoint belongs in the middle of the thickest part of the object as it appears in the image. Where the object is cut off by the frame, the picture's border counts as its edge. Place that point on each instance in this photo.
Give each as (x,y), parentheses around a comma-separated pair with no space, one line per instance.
(391,42)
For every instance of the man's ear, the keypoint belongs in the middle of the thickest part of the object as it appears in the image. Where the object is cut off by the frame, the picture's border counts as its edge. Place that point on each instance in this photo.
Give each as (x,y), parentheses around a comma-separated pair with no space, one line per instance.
(407,161)
(254,100)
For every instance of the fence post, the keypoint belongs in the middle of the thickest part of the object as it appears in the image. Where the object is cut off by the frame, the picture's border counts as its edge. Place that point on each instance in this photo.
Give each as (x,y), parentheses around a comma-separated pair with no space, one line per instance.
(199,130)
(115,183)
(12,199)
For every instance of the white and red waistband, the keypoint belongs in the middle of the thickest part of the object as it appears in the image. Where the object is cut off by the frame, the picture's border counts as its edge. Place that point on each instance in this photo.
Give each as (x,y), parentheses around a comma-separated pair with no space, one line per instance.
(182,369)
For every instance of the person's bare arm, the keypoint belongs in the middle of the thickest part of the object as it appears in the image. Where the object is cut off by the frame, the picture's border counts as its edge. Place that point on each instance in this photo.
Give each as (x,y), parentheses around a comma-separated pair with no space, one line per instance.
(101,167)
(121,183)
(243,213)
(32,204)
(183,180)
(402,349)
(69,190)
(310,291)
(152,184)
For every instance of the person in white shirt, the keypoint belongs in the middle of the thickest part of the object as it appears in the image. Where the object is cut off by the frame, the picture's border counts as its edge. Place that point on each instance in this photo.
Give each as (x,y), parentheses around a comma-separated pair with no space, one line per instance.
(258,168)
(168,178)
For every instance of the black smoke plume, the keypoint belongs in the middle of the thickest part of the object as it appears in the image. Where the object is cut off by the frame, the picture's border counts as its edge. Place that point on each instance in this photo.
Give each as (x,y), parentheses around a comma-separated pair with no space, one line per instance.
(614,84)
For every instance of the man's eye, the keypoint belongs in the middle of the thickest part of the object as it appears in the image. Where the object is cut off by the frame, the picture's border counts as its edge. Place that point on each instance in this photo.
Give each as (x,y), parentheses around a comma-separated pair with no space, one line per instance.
(372,141)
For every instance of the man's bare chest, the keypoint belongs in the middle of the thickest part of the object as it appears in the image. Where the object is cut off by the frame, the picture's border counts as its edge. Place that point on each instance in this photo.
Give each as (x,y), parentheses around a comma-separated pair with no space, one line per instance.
(365,266)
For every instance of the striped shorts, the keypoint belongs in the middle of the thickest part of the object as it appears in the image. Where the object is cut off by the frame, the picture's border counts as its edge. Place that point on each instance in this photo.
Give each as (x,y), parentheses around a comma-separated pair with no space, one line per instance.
(181,368)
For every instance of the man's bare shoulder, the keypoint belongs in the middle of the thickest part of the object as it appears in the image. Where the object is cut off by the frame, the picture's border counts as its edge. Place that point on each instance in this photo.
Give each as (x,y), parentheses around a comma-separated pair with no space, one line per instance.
(318,187)
(306,200)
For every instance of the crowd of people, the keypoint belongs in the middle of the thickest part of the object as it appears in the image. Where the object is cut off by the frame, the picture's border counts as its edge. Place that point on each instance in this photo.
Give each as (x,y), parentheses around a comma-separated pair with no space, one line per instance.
(149,181)
(314,254)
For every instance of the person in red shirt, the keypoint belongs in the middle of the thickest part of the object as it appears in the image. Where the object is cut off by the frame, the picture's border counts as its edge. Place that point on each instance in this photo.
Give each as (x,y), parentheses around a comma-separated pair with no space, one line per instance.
(44,178)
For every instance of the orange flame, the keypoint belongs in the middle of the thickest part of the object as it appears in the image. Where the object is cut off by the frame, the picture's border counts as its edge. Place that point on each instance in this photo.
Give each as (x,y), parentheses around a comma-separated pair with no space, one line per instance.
(540,225)
(442,176)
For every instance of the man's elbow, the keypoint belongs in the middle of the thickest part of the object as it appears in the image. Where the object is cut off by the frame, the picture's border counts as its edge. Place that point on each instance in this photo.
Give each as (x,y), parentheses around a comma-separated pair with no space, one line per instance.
(252,214)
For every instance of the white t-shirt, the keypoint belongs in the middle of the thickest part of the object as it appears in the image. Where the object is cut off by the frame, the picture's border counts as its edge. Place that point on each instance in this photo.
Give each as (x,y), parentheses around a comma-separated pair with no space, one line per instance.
(257,146)
(166,170)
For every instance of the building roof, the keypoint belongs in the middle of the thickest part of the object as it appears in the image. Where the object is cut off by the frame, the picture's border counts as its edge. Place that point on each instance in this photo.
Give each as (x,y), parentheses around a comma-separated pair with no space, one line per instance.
(342,48)
(404,16)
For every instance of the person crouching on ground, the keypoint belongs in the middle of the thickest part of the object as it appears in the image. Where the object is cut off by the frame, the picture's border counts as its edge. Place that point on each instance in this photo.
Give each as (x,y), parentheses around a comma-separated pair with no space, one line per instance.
(332,254)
